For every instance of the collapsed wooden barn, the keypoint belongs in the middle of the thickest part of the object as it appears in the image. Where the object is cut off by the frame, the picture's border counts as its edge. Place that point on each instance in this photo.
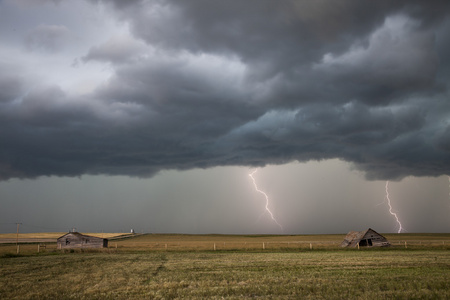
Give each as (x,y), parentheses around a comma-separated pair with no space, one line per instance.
(367,238)
(77,240)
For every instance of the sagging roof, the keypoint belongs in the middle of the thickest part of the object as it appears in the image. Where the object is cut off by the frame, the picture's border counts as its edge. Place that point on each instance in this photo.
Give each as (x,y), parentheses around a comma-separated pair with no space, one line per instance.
(353,238)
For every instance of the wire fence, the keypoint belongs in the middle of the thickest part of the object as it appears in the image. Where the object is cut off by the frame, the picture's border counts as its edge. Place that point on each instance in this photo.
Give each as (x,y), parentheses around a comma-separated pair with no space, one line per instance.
(117,246)
(251,246)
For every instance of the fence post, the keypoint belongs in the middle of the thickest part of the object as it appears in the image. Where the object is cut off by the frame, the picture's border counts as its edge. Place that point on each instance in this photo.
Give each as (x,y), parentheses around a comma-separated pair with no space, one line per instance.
(264,246)
(310,246)
(214,246)
(39,247)
(358,246)
(406,246)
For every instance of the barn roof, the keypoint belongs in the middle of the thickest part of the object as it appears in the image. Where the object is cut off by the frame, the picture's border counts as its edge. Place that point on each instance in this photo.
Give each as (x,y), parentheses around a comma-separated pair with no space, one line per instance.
(356,235)
(80,235)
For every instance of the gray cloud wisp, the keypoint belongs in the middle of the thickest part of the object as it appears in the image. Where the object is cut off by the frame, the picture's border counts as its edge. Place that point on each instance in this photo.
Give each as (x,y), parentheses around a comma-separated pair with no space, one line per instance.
(197,84)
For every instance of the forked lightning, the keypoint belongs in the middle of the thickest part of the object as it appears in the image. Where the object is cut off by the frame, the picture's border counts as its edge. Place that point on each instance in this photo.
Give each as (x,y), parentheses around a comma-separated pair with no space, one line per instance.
(266,196)
(390,208)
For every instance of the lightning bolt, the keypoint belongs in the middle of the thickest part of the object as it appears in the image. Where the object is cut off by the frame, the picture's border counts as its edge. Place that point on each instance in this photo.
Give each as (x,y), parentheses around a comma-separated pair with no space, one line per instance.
(390,208)
(266,196)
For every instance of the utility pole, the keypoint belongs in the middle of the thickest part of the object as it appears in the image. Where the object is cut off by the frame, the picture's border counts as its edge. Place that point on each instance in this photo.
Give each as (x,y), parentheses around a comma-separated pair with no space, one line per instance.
(17,237)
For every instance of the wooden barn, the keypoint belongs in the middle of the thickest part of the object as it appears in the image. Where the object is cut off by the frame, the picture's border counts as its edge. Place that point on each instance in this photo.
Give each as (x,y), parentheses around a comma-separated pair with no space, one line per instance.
(77,240)
(367,238)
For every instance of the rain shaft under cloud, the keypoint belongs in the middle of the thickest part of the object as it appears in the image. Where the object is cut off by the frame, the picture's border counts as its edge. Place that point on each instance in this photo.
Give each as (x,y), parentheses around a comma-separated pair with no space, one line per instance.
(195,83)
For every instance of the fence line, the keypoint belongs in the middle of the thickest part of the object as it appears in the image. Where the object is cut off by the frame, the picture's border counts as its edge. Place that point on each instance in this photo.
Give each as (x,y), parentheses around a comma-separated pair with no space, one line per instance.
(217,245)
(262,245)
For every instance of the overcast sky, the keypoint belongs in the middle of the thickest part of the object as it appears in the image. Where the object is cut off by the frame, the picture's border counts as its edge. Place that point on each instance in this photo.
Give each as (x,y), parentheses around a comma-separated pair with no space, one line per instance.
(150,114)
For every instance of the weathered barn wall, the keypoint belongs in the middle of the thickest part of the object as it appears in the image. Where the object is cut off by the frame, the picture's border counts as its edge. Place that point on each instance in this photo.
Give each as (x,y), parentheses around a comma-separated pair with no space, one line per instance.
(373,238)
(77,240)
(367,238)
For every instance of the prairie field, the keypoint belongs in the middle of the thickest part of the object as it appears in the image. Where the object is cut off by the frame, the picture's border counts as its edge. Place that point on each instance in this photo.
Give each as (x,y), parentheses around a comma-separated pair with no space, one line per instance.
(143,267)
(52,235)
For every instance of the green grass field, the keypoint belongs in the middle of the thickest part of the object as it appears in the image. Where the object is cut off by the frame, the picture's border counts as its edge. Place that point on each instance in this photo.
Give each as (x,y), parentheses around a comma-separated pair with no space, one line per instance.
(136,270)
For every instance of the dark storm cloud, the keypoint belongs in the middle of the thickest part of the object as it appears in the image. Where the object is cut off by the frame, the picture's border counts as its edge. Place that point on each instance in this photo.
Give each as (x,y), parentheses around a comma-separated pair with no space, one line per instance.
(32,3)
(47,37)
(10,87)
(116,50)
(208,83)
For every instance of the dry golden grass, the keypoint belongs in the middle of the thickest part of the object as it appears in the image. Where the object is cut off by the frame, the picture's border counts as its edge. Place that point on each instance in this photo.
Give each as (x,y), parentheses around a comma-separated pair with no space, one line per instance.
(262,242)
(183,242)
(52,235)
(104,235)
(39,235)
(224,242)
(174,266)
(325,274)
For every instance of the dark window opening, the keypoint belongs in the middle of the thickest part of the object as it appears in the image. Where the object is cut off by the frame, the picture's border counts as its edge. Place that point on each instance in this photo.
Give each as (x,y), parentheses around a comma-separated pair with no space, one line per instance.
(364,243)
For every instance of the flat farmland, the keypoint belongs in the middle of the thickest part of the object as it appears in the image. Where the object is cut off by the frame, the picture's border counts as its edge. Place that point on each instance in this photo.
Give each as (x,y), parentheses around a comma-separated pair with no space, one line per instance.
(190,268)
(266,242)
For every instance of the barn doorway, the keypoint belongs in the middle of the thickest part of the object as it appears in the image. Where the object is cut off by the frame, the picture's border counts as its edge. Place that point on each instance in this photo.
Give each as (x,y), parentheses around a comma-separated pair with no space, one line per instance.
(365,243)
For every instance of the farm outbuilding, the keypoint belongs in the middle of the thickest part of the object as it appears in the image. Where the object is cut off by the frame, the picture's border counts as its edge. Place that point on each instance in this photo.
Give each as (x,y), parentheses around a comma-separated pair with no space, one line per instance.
(77,240)
(367,238)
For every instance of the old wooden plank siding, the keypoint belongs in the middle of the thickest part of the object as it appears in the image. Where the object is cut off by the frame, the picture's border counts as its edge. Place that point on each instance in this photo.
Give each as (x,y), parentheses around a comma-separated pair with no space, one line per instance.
(77,240)
(367,238)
